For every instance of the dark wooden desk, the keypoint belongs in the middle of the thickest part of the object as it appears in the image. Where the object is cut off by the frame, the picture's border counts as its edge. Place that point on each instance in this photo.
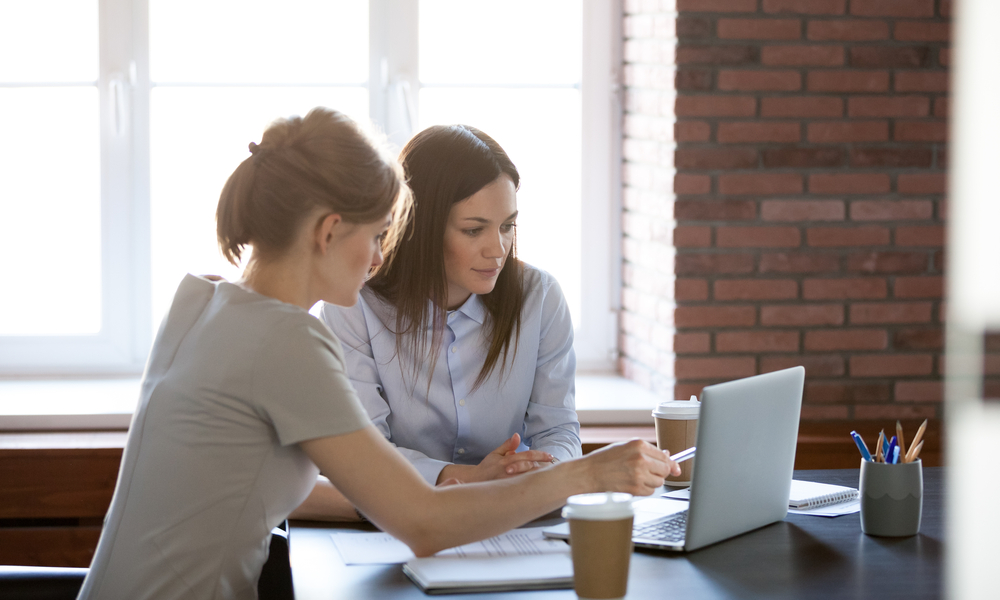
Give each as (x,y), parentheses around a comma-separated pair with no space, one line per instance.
(800,557)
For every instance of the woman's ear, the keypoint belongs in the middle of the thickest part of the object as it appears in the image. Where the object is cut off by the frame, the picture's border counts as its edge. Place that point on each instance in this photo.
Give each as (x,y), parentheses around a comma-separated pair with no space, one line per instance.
(327,230)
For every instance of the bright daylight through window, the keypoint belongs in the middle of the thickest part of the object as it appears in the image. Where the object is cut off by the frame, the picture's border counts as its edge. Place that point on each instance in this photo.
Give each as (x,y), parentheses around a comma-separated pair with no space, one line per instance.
(123,119)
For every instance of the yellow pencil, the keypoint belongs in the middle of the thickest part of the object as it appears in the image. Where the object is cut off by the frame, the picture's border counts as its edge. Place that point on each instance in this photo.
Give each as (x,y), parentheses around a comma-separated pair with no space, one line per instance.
(878,446)
(914,452)
(899,440)
(911,455)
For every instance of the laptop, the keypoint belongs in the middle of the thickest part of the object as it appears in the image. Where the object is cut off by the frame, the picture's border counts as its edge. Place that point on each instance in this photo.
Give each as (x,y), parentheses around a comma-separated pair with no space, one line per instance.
(747,431)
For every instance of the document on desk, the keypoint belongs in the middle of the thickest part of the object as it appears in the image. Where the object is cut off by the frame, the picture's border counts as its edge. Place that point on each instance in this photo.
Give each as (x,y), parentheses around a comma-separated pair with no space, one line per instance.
(815,499)
(380,548)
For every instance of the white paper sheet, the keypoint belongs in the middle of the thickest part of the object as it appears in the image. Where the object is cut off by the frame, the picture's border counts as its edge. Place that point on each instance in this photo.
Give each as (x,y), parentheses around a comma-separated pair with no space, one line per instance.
(833,510)
(383,549)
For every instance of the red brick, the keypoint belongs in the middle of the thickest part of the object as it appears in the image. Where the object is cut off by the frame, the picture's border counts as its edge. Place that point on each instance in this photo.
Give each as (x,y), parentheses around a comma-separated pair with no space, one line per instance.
(802,210)
(893,106)
(921,131)
(830,237)
(921,81)
(694,28)
(690,289)
(802,106)
(931,286)
(888,262)
(848,131)
(715,210)
(751,81)
(692,237)
(918,339)
(823,413)
(759,29)
(702,368)
(715,158)
(891,210)
(844,289)
(847,30)
(798,157)
(848,183)
(991,364)
(919,391)
(825,340)
(847,393)
(922,31)
(944,57)
(891,365)
(757,237)
(692,131)
(922,235)
(715,106)
(756,289)
(941,109)
(707,264)
(798,262)
(715,55)
(921,183)
(944,9)
(760,183)
(816,365)
(894,57)
(806,7)
(892,8)
(758,131)
(895,157)
(802,56)
(890,312)
(692,184)
(757,341)
(801,314)
(847,81)
(693,80)
(692,343)
(717,5)
(715,316)
(888,412)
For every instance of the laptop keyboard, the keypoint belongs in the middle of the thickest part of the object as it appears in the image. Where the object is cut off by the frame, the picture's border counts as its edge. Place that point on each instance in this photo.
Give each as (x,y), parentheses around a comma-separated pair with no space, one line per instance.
(667,529)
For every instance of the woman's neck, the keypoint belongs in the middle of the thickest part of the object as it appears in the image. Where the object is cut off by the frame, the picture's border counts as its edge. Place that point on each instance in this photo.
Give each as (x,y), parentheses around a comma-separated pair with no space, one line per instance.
(281,279)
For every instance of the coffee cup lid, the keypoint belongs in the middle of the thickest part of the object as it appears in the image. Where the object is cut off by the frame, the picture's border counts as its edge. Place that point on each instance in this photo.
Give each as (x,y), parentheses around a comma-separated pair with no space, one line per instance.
(677,409)
(609,506)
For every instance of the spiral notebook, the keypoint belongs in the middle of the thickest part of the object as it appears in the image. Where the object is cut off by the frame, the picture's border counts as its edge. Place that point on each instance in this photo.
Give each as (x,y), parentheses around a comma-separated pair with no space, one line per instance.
(810,494)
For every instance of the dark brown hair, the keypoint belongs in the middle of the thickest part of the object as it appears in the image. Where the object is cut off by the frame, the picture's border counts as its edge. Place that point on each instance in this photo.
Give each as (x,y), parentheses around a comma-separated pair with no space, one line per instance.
(323,160)
(445,165)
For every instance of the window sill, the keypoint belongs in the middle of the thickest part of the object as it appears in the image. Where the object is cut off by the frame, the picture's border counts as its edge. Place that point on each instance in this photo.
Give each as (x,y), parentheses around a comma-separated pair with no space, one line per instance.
(107,404)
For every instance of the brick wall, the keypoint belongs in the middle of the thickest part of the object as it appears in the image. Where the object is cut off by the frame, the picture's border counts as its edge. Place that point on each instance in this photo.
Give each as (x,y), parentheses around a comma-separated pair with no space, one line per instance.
(804,223)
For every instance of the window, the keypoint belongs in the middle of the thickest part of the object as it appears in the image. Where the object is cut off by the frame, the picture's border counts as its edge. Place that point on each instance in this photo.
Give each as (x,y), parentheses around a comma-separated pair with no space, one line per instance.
(130,114)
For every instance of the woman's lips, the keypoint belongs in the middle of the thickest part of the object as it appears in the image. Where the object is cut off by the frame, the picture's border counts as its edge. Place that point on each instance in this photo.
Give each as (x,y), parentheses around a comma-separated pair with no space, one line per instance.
(488,272)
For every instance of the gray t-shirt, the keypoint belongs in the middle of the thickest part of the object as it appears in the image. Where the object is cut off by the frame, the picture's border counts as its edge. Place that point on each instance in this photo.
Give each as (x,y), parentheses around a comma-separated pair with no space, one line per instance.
(234,381)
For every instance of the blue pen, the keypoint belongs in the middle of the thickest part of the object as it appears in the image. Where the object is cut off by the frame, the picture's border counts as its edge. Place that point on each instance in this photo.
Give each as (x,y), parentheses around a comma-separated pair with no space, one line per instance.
(865,454)
(895,455)
(893,445)
(885,448)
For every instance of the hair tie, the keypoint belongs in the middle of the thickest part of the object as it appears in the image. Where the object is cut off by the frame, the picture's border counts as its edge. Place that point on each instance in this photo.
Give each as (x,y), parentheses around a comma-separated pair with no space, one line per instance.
(253,147)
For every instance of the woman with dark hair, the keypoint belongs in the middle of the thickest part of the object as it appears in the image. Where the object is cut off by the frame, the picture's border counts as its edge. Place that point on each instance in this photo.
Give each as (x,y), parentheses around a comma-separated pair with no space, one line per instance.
(245,398)
(461,353)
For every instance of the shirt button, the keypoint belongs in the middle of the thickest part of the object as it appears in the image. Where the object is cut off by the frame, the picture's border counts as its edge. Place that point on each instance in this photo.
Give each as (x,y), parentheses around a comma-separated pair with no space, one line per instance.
(454,349)
(461,450)
(461,402)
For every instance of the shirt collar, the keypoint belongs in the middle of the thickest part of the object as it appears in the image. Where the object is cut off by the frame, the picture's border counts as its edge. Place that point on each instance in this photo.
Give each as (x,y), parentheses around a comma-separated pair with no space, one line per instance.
(473,308)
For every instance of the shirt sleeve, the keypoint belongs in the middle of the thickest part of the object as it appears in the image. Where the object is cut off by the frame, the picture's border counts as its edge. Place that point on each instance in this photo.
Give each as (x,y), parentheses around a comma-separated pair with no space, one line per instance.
(351,327)
(300,385)
(551,422)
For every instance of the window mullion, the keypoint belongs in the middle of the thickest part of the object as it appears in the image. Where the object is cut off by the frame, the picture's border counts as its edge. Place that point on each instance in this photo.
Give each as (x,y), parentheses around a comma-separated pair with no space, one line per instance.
(394,82)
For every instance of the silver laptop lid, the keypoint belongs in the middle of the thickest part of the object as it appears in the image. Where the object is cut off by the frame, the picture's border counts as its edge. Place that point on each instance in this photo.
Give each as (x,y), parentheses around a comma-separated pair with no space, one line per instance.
(747,431)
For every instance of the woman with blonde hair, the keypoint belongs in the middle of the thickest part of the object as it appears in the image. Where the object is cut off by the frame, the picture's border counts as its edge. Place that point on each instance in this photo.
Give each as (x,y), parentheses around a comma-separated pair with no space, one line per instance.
(245,398)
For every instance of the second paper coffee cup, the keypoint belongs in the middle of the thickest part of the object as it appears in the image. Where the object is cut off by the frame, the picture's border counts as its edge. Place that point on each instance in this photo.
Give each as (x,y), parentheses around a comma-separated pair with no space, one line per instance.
(600,537)
(676,426)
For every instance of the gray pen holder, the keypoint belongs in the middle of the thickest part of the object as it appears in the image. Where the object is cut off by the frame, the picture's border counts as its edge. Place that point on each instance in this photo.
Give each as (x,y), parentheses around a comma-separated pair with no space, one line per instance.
(891,498)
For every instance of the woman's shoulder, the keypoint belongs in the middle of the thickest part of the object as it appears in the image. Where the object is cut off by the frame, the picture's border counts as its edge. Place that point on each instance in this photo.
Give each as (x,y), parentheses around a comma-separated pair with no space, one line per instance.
(537,281)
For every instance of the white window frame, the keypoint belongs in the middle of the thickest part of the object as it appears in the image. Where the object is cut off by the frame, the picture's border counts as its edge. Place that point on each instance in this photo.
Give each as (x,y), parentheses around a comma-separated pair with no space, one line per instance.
(121,347)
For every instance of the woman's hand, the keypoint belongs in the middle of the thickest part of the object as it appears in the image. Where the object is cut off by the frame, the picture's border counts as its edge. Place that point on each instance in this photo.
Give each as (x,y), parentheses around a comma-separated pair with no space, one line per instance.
(503,462)
(635,467)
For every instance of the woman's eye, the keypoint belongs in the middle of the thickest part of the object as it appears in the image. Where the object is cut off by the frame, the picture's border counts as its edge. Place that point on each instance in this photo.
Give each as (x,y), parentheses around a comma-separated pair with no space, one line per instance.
(507,227)
(472,232)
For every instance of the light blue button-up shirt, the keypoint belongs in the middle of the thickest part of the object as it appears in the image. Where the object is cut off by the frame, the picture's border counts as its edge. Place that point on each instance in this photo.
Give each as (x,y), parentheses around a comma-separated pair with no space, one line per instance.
(452,422)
